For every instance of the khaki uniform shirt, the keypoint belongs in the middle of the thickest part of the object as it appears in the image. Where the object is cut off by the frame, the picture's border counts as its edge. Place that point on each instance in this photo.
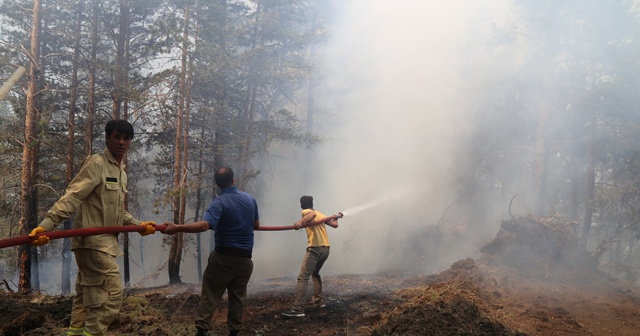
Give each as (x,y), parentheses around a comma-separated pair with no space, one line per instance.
(98,193)
(317,234)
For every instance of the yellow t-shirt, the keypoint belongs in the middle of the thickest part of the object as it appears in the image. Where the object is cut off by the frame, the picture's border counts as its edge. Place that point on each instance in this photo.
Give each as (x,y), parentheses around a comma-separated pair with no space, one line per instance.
(317,234)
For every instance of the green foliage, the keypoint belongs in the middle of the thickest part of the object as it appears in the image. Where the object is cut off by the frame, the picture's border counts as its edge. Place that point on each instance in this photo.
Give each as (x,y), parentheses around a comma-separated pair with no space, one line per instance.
(247,62)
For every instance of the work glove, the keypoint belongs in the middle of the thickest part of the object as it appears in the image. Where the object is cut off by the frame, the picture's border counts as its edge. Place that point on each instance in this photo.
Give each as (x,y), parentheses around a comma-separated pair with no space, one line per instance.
(40,240)
(150,229)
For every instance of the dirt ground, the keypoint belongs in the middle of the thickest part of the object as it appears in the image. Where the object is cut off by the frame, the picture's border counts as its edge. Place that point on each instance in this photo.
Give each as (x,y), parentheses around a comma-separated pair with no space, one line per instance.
(491,295)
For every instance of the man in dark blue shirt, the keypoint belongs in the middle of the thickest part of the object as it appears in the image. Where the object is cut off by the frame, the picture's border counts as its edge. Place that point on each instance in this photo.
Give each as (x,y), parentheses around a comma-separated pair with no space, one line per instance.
(233,216)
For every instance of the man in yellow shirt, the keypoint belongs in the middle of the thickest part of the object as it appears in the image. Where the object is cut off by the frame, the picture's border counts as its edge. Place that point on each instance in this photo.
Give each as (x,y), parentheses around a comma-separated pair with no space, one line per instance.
(98,193)
(317,254)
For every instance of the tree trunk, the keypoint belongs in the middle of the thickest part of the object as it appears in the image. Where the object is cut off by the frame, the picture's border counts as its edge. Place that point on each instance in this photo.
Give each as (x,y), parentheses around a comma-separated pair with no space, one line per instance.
(186,90)
(245,154)
(35,154)
(574,189)
(26,191)
(66,251)
(199,202)
(124,89)
(220,112)
(540,161)
(91,106)
(175,252)
(311,108)
(198,187)
(119,73)
(591,181)
(176,239)
(249,106)
(631,258)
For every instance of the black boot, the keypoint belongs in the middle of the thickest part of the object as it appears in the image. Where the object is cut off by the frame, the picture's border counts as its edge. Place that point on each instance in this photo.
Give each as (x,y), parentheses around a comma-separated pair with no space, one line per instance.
(202,332)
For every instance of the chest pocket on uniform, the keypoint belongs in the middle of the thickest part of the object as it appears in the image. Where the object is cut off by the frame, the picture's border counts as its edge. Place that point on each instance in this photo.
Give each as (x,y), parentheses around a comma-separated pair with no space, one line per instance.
(111,183)
(111,187)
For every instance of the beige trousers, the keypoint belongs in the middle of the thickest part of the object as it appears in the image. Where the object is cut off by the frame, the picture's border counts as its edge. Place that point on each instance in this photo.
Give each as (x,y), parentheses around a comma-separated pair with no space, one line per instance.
(311,265)
(98,292)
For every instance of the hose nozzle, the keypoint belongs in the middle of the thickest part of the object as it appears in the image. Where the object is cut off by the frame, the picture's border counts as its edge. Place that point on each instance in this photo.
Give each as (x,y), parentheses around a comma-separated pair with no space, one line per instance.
(339,215)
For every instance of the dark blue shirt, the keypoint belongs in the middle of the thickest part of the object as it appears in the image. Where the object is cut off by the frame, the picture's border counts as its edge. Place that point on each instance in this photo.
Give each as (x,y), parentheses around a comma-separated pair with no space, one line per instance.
(232,215)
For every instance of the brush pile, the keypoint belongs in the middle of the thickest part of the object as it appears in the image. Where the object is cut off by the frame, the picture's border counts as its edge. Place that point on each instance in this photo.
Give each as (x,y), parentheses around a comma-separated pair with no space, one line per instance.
(541,247)
(524,283)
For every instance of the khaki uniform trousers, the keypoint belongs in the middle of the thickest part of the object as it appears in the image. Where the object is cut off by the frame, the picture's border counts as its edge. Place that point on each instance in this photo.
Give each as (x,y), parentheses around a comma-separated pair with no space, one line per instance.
(224,272)
(311,265)
(99,293)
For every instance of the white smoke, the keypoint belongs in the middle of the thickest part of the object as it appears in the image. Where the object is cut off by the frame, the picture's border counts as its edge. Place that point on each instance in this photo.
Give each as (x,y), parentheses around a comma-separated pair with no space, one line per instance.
(393,100)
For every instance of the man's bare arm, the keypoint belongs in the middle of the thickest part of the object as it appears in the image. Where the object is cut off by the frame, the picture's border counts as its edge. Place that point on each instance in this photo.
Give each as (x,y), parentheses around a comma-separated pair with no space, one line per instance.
(194,227)
(308,218)
(333,223)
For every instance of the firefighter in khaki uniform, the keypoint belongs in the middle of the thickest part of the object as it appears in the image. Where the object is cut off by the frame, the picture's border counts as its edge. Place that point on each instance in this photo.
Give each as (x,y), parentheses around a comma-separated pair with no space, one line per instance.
(98,194)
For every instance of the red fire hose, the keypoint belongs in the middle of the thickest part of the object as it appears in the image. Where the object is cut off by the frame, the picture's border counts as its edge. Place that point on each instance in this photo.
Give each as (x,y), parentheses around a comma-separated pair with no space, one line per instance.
(291,227)
(76,233)
(20,240)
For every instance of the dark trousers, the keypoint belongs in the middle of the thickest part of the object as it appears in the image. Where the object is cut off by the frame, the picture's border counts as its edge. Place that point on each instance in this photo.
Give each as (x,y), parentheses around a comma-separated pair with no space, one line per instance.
(224,272)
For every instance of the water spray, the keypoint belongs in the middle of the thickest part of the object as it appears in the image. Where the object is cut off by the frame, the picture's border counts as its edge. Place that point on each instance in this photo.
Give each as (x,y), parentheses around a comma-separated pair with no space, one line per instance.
(20,240)
(361,208)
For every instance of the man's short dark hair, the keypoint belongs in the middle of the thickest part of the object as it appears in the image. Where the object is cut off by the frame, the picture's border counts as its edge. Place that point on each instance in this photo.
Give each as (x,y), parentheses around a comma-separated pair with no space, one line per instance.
(306,202)
(121,125)
(223,177)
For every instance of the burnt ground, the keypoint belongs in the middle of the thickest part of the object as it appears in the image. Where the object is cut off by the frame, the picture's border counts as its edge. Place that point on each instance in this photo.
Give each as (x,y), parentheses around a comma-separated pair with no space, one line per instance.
(554,290)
